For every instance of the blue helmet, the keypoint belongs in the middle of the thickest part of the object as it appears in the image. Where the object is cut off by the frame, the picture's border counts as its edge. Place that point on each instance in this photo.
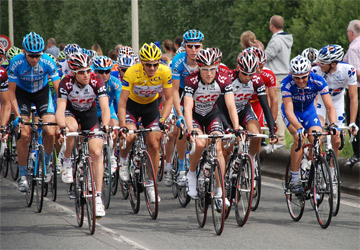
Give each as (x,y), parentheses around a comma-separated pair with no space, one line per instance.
(192,36)
(71,49)
(126,61)
(33,43)
(102,63)
(85,51)
(331,53)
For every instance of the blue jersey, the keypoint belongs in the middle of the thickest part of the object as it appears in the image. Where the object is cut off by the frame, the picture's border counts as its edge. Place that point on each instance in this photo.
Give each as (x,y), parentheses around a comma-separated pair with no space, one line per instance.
(303,98)
(113,89)
(32,79)
(180,69)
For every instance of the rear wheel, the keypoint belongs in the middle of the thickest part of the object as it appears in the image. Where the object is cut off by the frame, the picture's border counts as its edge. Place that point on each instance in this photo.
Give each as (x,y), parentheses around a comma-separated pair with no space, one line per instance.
(244,190)
(53,180)
(162,161)
(334,167)
(202,203)
(257,183)
(29,195)
(294,202)
(79,198)
(89,193)
(133,185)
(5,160)
(150,185)
(230,182)
(323,193)
(174,171)
(39,180)
(106,189)
(14,170)
(115,182)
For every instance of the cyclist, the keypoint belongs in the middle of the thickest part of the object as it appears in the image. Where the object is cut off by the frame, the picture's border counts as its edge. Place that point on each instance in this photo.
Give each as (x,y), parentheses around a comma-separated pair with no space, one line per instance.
(76,106)
(10,53)
(28,84)
(68,50)
(102,66)
(299,90)
(311,54)
(201,92)
(182,65)
(338,77)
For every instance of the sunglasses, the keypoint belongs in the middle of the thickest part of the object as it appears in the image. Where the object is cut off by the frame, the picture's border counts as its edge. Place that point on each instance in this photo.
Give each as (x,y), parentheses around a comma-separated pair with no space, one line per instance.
(123,70)
(196,46)
(208,69)
(34,55)
(83,72)
(323,63)
(300,77)
(247,74)
(101,72)
(149,65)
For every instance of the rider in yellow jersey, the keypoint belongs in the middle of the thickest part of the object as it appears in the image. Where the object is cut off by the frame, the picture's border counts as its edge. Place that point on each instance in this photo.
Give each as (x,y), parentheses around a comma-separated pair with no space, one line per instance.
(139,98)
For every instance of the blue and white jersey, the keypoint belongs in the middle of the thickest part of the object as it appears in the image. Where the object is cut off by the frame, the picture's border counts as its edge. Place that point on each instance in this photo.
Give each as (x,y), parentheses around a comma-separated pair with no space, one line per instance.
(303,97)
(180,69)
(339,80)
(113,90)
(32,79)
(64,67)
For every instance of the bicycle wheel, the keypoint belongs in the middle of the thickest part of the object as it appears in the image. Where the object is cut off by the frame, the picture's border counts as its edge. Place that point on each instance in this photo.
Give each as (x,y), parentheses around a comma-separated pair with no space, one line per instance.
(150,185)
(174,174)
(5,161)
(29,195)
(295,202)
(14,170)
(115,182)
(203,201)
(53,179)
(230,183)
(89,193)
(106,189)
(334,166)
(161,162)
(79,198)
(218,200)
(244,190)
(133,185)
(183,197)
(257,183)
(322,192)
(39,179)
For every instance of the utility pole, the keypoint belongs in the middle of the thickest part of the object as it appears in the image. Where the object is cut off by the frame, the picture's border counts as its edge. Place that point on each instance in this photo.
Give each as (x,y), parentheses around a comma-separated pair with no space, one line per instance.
(135,25)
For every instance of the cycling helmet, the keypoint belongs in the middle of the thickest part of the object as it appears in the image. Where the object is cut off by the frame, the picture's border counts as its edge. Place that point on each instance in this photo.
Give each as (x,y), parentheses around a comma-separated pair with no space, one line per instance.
(126,61)
(2,50)
(300,65)
(33,43)
(102,63)
(193,36)
(85,51)
(12,51)
(248,61)
(206,57)
(62,55)
(92,53)
(311,54)
(180,49)
(78,61)
(126,50)
(54,58)
(71,49)
(218,54)
(331,53)
(150,52)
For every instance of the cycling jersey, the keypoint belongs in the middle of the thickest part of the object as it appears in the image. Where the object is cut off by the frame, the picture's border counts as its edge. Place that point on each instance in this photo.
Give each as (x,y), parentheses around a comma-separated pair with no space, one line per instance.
(81,99)
(206,95)
(144,89)
(222,68)
(116,74)
(180,69)
(64,67)
(302,98)
(4,81)
(113,89)
(32,79)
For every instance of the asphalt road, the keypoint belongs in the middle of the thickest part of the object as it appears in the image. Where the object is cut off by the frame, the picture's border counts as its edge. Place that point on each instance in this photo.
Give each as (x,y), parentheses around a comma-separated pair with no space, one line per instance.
(270,227)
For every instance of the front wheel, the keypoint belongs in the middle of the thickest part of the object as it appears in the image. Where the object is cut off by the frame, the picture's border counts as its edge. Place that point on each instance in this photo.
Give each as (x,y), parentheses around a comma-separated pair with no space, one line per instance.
(218,199)
(257,183)
(202,203)
(150,186)
(39,179)
(79,198)
(107,177)
(89,193)
(13,163)
(5,161)
(53,179)
(161,161)
(133,185)
(335,171)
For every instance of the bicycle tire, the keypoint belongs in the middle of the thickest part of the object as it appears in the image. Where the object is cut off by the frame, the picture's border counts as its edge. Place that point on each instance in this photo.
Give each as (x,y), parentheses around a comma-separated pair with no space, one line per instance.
(322,192)
(53,179)
(230,184)
(14,169)
(106,189)
(133,186)
(39,181)
(148,175)
(244,190)
(333,163)
(5,165)
(218,210)
(203,200)
(174,171)
(79,199)
(89,192)
(295,203)
(257,183)
(161,168)
(115,182)
(183,197)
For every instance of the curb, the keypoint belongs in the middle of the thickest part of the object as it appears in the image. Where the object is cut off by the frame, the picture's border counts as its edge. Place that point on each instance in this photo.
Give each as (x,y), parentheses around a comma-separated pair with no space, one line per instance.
(274,165)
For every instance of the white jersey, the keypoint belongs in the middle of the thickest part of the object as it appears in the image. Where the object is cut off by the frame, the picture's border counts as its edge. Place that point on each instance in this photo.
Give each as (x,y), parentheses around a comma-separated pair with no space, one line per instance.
(64,67)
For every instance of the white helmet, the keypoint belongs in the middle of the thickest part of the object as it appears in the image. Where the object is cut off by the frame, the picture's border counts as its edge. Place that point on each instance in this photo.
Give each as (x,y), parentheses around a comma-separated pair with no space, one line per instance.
(311,54)
(331,53)
(300,65)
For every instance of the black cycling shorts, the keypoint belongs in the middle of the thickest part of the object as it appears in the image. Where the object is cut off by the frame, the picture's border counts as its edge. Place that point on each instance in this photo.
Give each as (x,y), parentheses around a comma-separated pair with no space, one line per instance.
(149,113)
(208,123)
(87,119)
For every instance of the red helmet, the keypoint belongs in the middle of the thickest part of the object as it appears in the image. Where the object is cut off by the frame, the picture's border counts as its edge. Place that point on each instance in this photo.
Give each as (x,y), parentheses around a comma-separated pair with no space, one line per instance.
(206,57)
(78,61)
(218,54)
(248,61)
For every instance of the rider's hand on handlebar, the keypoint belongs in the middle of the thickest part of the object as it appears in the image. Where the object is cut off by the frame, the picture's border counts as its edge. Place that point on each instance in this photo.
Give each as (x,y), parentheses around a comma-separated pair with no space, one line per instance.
(334,129)
(354,129)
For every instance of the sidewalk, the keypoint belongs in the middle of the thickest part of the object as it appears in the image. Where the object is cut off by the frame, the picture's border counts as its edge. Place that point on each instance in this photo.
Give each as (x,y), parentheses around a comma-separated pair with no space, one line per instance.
(276,162)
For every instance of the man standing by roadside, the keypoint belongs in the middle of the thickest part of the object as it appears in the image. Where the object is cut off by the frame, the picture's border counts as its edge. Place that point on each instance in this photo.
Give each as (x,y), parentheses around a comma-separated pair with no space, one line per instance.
(278,53)
(352,57)
(51,47)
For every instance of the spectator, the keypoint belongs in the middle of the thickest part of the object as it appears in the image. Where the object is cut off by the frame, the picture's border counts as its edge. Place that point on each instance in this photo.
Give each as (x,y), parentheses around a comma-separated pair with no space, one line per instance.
(51,47)
(352,57)
(167,55)
(118,47)
(247,37)
(62,46)
(278,53)
(113,54)
(177,42)
(97,48)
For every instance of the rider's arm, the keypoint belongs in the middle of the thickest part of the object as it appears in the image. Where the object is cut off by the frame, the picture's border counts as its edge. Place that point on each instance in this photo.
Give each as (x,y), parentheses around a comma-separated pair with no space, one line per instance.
(273,101)
(105,110)
(12,97)
(354,105)
(60,112)
(289,111)
(330,109)
(188,112)
(267,112)
(56,86)
(230,104)
(168,102)
(122,107)
(176,97)
(5,108)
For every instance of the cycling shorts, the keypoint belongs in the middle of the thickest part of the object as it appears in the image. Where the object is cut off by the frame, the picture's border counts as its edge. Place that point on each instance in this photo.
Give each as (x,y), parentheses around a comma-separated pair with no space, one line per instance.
(245,115)
(308,118)
(87,119)
(149,113)
(41,99)
(259,112)
(210,122)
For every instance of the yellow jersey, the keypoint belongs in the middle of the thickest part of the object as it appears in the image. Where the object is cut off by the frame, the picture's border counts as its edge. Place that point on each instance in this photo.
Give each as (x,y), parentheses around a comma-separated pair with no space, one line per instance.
(144,89)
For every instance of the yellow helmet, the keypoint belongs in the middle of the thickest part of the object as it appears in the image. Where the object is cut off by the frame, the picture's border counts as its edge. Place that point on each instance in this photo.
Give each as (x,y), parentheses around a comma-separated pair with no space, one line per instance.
(150,52)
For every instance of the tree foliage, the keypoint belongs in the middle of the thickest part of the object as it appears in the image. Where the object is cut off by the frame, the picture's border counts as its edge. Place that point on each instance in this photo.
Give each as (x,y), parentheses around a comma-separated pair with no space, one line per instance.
(313,23)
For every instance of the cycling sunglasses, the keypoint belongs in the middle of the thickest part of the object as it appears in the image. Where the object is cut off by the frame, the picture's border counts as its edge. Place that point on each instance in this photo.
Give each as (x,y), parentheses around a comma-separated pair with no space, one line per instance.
(101,72)
(149,65)
(83,72)
(300,77)
(33,55)
(208,69)
(196,46)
